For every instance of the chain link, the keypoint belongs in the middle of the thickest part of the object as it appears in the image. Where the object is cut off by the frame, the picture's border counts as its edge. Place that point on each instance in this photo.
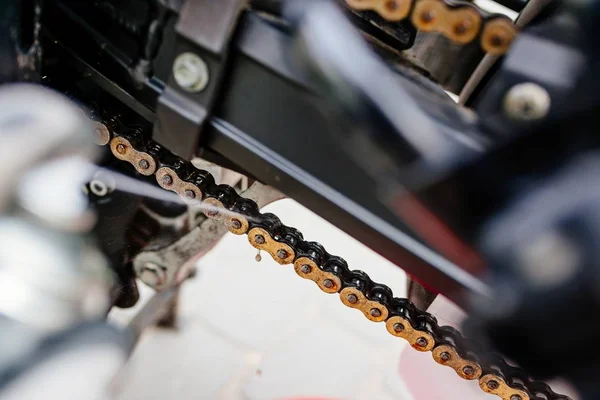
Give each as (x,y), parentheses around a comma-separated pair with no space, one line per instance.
(330,273)
(460,21)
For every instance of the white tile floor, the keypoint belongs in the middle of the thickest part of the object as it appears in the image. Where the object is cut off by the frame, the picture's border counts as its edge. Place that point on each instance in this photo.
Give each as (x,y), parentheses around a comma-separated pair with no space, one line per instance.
(257,331)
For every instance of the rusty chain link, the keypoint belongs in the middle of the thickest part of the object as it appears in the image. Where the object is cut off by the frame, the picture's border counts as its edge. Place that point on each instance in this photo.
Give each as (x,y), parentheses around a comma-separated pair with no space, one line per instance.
(330,273)
(460,21)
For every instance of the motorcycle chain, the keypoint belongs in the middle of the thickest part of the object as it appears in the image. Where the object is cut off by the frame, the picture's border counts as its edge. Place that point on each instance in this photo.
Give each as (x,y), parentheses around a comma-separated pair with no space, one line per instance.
(460,21)
(330,273)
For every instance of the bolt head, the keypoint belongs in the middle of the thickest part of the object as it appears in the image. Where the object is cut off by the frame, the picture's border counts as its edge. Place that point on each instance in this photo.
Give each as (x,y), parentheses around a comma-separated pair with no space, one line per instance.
(422,342)
(305,268)
(236,223)
(328,283)
(352,298)
(259,239)
(527,102)
(190,72)
(493,385)
(398,327)
(445,356)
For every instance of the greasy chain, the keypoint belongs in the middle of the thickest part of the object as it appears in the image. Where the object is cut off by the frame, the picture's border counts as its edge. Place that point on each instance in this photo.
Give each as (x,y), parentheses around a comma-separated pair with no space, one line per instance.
(330,273)
(460,21)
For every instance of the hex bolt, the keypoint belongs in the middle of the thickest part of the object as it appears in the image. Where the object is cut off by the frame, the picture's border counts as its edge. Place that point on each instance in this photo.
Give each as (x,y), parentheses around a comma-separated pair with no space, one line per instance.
(167,180)
(527,102)
(422,342)
(121,149)
(144,164)
(305,268)
(328,283)
(398,327)
(259,239)
(281,253)
(236,224)
(493,385)
(189,194)
(445,356)
(516,397)
(468,370)
(352,298)
(190,72)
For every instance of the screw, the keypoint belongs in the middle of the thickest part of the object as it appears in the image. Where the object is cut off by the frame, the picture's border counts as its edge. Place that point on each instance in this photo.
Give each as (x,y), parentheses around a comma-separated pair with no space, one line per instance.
(427,16)
(422,342)
(515,397)
(282,254)
(144,164)
(236,223)
(190,72)
(259,239)
(352,298)
(305,268)
(167,180)
(121,149)
(445,356)
(527,102)
(493,385)
(189,194)
(328,283)
(398,327)
(468,370)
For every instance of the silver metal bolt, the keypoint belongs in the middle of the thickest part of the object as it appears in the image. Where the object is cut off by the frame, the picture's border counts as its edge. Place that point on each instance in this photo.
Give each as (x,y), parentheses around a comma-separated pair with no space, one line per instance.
(190,72)
(527,102)
(152,275)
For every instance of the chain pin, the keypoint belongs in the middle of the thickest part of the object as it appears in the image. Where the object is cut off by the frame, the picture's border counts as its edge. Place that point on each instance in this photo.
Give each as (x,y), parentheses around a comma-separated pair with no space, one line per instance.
(352,299)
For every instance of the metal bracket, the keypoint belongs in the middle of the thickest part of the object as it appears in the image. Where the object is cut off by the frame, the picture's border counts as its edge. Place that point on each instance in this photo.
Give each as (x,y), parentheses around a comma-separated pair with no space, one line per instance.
(204,29)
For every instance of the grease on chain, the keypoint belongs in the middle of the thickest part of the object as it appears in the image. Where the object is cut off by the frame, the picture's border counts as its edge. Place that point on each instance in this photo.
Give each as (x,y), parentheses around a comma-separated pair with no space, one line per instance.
(460,21)
(286,245)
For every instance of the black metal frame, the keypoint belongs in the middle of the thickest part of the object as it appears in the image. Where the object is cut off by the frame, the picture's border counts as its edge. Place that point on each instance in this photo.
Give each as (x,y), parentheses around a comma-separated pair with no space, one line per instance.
(270,122)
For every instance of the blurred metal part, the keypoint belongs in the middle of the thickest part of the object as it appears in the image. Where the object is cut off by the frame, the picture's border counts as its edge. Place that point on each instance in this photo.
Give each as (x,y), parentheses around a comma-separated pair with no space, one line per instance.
(49,280)
(531,10)
(161,268)
(37,124)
